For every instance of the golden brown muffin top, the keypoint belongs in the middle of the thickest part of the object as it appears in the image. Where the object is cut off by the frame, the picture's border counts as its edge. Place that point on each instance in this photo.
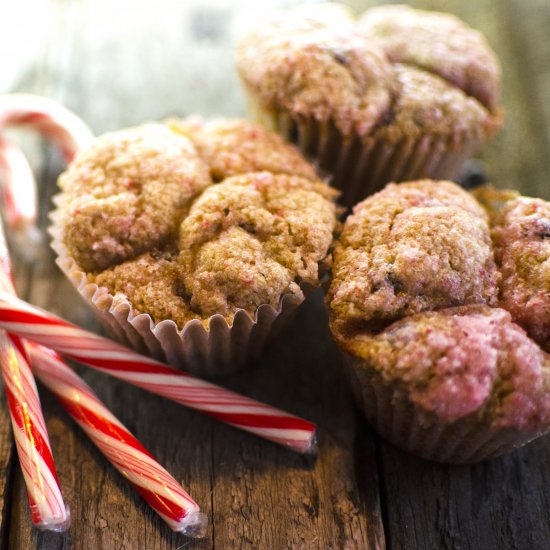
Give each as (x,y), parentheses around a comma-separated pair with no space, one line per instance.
(411,247)
(325,72)
(145,220)
(417,288)
(246,240)
(128,192)
(424,101)
(439,43)
(233,146)
(151,283)
(403,75)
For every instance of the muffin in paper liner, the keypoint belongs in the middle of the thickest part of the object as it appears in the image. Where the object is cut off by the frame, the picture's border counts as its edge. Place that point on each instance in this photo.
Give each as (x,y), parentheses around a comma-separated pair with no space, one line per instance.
(406,426)
(373,100)
(442,363)
(207,345)
(359,166)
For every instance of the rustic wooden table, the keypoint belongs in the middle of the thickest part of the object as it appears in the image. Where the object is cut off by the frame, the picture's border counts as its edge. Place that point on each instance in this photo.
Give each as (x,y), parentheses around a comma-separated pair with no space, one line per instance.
(119,63)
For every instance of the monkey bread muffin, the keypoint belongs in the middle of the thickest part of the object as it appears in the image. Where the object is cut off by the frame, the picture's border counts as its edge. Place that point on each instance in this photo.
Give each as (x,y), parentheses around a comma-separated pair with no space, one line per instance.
(522,247)
(193,240)
(393,95)
(432,316)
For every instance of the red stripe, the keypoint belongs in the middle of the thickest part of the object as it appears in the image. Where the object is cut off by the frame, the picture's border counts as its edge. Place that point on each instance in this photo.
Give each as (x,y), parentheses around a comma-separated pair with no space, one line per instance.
(263,421)
(18,316)
(18,345)
(96,422)
(145,472)
(165,506)
(27,118)
(125,365)
(35,512)
(24,421)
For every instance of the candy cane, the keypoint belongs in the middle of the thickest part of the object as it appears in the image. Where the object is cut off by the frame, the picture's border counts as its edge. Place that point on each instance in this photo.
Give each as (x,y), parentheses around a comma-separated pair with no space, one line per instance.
(31,438)
(51,120)
(20,318)
(48,510)
(18,189)
(48,118)
(159,489)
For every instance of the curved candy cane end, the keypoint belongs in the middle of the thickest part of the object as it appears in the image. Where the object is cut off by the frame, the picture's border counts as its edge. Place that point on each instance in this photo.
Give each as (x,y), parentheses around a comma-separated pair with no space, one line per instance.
(27,240)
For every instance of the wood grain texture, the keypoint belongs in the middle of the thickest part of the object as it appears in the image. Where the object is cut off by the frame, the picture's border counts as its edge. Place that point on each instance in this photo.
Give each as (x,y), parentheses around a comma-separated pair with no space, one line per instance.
(6,447)
(117,64)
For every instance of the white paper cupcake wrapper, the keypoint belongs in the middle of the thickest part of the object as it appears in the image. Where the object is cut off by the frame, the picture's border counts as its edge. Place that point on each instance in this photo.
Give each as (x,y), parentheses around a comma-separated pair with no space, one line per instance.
(359,167)
(219,349)
(388,409)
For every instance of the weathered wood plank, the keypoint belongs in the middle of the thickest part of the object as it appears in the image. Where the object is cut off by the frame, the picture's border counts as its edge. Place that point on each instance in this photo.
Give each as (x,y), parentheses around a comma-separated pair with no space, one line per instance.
(6,446)
(325,506)
(499,504)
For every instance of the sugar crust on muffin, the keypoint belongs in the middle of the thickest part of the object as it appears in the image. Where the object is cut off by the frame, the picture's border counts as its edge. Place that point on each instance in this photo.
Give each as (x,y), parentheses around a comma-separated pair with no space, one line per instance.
(393,69)
(446,306)
(232,146)
(469,360)
(127,193)
(439,43)
(521,234)
(145,219)
(411,247)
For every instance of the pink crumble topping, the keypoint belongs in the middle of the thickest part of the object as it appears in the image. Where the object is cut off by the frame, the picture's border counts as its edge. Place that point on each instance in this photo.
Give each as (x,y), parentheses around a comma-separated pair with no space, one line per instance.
(465,360)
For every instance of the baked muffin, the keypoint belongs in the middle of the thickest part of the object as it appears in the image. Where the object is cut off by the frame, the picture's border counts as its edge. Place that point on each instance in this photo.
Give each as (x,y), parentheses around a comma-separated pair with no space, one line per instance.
(194,240)
(418,305)
(522,247)
(457,385)
(395,95)
(412,247)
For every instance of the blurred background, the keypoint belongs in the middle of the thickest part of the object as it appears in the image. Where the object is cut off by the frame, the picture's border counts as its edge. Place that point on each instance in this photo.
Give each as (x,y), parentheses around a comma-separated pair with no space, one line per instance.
(118,63)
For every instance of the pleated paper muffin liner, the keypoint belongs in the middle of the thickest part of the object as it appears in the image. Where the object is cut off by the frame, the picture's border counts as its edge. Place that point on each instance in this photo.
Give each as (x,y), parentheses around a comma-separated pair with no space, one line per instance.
(361,166)
(397,419)
(213,350)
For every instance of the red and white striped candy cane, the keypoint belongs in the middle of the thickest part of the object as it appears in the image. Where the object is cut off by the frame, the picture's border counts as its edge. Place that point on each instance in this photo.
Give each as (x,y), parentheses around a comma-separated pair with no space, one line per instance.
(20,318)
(31,438)
(18,186)
(122,449)
(48,118)
(159,489)
(29,428)
(51,120)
